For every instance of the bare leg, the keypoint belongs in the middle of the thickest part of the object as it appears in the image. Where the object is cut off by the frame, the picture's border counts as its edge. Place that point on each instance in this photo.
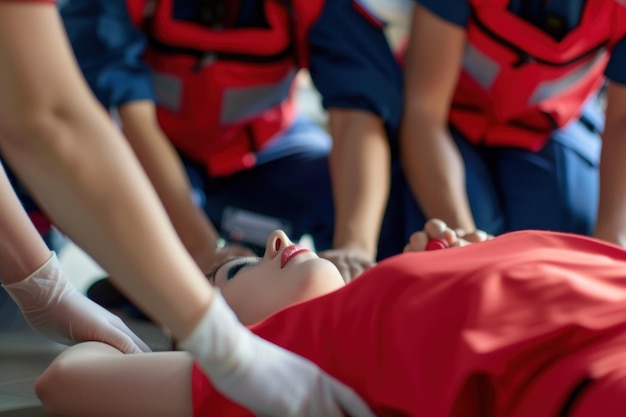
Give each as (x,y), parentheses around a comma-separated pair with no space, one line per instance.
(93,379)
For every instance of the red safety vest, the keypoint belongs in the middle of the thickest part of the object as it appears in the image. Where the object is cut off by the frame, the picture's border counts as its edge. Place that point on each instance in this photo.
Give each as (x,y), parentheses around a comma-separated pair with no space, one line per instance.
(224,94)
(518,84)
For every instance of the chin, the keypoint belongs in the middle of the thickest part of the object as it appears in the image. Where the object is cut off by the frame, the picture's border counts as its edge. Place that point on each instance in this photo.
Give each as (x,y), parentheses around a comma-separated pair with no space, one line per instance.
(321,277)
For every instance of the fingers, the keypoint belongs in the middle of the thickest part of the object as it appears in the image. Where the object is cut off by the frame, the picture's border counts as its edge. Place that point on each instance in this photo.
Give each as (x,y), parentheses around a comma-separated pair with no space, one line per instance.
(123,343)
(356,267)
(417,242)
(477,236)
(433,229)
(349,401)
(125,339)
(140,344)
(438,229)
(351,268)
(344,270)
(349,264)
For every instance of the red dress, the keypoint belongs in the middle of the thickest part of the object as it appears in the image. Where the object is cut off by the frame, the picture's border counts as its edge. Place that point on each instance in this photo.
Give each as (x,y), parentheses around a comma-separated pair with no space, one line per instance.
(527,324)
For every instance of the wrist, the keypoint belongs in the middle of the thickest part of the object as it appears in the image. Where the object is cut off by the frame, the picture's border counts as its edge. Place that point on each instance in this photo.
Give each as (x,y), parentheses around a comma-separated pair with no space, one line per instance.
(611,234)
(360,246)
(42,287)
(218,341)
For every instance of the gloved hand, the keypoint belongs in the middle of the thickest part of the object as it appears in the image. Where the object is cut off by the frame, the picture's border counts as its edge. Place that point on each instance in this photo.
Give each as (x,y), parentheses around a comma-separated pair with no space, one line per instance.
(53,307)
(350,263)
(268,380)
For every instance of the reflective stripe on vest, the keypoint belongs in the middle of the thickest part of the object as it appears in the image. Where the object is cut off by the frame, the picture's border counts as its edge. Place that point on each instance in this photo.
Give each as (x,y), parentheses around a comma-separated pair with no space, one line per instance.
(485,70)
(547,89)
(238,103)
(518,84)
(223,94)
(242,103)
(168,90)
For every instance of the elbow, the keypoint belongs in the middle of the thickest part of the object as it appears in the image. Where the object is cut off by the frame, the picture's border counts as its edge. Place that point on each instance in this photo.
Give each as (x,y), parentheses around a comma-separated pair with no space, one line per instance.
(47,130)
(32,134)
(52,388)
(49,146)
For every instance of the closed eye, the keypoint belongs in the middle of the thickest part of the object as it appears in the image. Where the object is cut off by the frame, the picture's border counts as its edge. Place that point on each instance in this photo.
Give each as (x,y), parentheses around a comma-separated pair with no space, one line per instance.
(236,267)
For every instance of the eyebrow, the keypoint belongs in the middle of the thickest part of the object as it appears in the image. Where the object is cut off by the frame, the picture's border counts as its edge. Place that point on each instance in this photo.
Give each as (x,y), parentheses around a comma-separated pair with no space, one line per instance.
(212,274)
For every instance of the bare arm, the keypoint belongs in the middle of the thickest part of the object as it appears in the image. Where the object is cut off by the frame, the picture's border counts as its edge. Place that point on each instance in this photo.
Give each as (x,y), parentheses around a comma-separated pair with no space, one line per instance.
(359,167)
(63,146)
(611,222)
(66,150)
(430,158)
(166,172)
(21,248)
(104,382)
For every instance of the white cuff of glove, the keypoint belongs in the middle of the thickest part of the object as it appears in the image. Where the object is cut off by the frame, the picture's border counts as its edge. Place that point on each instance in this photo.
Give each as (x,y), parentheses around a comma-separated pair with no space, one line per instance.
(44,287)
(220,342)
(265,378)
(53,307)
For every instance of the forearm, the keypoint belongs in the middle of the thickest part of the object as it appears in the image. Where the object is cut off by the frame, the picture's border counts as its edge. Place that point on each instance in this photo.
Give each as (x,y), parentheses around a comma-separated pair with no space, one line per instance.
(360,172)
(435,169)
(166,172)
(65,149)
(104,382)
(22,250)
(431,160)
(611,221)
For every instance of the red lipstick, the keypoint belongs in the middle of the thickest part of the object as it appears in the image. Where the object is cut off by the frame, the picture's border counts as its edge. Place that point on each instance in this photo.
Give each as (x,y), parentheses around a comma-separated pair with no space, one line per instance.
(291,251)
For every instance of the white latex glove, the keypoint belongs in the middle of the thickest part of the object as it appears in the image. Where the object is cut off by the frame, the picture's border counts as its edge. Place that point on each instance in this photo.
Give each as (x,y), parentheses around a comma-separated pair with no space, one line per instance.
(268,380)
(54,308)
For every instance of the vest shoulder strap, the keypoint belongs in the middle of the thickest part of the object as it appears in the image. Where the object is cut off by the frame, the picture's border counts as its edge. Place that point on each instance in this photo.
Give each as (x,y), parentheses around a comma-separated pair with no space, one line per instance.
(140,11)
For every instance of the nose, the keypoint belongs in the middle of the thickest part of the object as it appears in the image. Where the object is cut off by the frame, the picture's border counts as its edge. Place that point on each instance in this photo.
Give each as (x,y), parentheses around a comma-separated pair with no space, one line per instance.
(276,242)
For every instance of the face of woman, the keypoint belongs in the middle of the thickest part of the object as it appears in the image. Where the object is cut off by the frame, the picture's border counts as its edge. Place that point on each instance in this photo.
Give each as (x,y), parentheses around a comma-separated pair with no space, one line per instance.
(287,274)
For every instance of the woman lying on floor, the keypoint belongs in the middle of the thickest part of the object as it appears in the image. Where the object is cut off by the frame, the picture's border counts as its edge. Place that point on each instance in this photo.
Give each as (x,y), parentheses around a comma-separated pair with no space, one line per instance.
(525,324)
